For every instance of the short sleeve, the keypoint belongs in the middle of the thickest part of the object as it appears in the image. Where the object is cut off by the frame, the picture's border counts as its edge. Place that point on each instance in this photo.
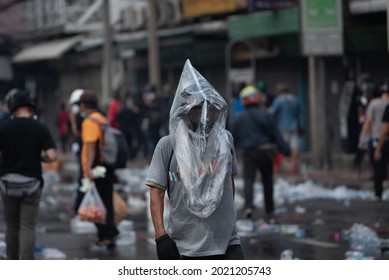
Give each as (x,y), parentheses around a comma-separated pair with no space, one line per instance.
(90,131)
(48,141)
(385,118)
(157,175)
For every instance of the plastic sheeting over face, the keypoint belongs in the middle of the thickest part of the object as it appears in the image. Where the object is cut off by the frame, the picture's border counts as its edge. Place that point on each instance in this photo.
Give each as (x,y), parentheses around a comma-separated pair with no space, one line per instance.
(197,119)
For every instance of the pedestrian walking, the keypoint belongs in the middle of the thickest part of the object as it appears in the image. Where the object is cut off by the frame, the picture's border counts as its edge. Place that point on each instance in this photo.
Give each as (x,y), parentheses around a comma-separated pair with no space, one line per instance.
(256,134)
(364,93)
(75,119)
(153,116)
(286,110)
(370,134)
(195,165)
(62,127)
(125,120)
(22,140)
(92,141)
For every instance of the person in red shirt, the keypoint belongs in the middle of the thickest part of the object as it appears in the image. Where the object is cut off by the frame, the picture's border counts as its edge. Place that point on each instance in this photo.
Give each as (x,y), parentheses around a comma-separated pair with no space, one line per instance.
(113,109)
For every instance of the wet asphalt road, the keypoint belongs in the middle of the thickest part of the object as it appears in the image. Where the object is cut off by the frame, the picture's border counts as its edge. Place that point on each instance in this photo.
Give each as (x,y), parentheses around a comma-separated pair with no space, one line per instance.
(309,228)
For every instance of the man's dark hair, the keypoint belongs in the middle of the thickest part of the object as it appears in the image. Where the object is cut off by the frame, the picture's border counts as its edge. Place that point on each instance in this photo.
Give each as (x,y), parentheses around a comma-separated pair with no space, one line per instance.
(89,99)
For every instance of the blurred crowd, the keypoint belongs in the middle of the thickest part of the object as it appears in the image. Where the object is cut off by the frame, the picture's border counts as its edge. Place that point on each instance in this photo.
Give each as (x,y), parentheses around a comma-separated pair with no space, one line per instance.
(266,129)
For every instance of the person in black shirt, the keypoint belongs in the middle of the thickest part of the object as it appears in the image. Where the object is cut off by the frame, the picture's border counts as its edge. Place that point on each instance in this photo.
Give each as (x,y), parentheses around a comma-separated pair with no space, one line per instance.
(22,141)
(257,135)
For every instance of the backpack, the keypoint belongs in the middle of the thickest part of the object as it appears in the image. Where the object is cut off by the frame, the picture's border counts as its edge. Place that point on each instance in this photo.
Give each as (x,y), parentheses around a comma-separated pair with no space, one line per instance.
(114,150)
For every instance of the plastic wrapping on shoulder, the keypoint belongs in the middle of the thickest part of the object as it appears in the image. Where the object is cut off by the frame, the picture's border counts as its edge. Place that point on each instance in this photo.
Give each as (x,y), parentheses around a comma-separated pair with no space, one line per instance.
(203,150)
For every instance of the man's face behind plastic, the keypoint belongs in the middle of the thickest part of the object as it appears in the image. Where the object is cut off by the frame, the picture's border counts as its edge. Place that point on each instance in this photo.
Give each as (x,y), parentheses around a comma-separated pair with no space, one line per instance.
(201,118)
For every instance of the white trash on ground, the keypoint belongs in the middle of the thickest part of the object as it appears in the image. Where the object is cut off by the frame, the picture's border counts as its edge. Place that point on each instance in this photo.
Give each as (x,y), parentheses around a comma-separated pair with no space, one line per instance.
(127,234)
(78,226)
(53,254)
(286,255)
(364,240)
(284,192)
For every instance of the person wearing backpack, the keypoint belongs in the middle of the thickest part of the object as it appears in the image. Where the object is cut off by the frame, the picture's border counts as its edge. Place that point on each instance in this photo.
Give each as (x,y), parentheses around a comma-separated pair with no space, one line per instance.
(92,143)
(22,140)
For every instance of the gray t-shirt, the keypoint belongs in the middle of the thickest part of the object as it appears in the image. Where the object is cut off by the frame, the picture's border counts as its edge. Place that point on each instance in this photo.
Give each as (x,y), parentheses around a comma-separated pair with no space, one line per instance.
(375,110)
(194,236)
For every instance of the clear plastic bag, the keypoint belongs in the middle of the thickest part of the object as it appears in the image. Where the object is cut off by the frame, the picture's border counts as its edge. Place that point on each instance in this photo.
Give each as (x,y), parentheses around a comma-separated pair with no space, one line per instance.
(92,208)
(202,147)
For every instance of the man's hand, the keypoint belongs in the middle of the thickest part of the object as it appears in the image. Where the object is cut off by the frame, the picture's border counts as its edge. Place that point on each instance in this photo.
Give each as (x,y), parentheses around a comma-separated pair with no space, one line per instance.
(377,155)
(166,248)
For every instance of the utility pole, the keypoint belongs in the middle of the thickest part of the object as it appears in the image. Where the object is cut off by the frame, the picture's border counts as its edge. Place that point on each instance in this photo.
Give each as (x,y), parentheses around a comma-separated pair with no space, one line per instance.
(107,55)
(153,47)
(313,115)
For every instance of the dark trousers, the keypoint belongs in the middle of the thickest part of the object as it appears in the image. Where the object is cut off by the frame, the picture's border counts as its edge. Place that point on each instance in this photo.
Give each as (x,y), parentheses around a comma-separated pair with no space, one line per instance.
(79,194)
(105,188)
(379,169)
(234,252)
(252,160)
(20,214)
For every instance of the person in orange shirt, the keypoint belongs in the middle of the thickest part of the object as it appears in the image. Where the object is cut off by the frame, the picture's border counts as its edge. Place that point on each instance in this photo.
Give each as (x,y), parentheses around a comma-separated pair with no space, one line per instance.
(91,135)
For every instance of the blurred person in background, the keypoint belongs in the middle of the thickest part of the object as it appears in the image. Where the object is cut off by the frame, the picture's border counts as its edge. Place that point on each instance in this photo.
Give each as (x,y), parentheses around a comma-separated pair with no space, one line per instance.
(75,119)
(256,134)
(355,96)
(286,109)
(237,106)
(370,135)
(364,93)
(125,120)
(63,127)
(92,141)
(23,139)
(153,117)
(113,109)
(166,101)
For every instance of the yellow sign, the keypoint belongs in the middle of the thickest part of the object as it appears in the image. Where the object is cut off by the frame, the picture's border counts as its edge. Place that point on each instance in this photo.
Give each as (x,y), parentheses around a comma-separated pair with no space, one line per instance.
(196,8)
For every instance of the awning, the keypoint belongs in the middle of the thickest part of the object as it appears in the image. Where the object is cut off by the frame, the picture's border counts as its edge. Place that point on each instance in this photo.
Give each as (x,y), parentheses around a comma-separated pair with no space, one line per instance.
(87,44)
(46,50)
(171,37)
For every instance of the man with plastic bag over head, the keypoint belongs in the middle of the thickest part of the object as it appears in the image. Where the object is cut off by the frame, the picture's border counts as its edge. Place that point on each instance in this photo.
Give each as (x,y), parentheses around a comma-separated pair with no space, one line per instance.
(195,165)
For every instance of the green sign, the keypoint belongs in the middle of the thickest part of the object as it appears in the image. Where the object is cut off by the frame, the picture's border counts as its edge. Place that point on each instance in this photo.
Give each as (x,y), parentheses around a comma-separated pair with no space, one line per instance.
(322,27)
(322,14)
